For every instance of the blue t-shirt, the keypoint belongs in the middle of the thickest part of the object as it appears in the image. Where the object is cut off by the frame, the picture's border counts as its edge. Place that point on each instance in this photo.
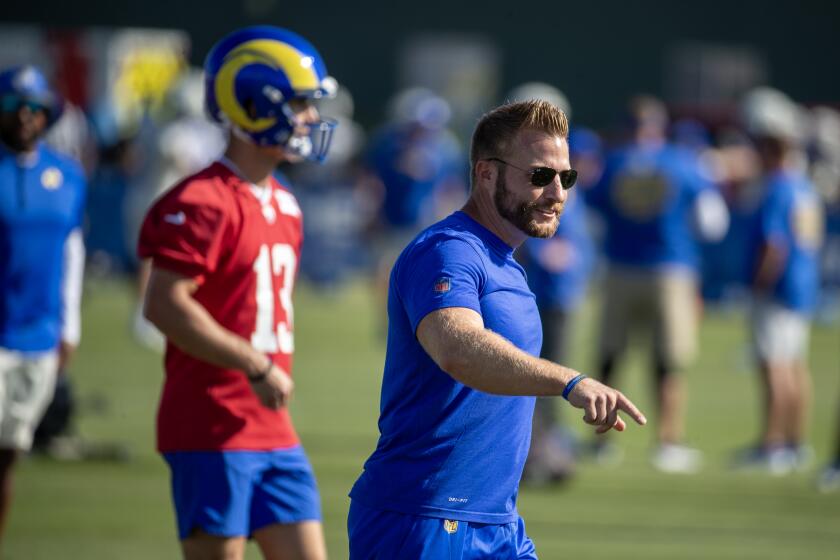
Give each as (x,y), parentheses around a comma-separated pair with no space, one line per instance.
(558,268)
(646,196)
(791,219)
(42,199)
(446,450)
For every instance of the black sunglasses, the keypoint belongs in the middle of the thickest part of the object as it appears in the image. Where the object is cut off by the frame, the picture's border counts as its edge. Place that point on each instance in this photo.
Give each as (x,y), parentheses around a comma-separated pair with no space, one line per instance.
(542,176)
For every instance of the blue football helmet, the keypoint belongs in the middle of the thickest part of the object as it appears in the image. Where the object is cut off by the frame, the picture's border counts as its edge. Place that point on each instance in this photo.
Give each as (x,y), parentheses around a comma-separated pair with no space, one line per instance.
(27,84)
(250,77)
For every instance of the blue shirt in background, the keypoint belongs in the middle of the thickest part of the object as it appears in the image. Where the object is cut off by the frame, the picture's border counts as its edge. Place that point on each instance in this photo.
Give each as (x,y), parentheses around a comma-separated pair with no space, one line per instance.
(791,219)
(646,196)
(414,164)
(446,450)
(42,198)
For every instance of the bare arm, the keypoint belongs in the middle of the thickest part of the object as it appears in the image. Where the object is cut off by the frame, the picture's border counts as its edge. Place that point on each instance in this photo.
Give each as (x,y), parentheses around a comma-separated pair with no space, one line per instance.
(171,307)
(456,339)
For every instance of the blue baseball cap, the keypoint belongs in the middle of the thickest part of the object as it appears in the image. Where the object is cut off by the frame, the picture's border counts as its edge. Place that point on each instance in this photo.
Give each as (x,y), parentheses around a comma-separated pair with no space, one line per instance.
(27,84)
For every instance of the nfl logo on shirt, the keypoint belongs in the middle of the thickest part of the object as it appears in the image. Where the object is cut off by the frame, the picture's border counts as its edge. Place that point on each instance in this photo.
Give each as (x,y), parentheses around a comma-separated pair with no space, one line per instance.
(442,285)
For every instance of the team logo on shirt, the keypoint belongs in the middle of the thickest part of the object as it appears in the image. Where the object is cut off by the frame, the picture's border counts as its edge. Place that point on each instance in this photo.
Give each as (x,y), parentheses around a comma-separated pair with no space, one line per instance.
(51,178)
(641,196)
(442,285)
(450,526)
(808,225)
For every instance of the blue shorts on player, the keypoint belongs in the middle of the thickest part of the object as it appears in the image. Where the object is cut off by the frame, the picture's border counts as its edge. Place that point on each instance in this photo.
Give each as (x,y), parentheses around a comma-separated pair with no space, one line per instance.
(234,493)
(387,535)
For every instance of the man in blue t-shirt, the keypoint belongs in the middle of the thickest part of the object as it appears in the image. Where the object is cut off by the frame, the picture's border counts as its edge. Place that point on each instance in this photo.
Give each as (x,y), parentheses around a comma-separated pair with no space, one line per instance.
(41,259)
(784,269)
(655,204)
(461,369)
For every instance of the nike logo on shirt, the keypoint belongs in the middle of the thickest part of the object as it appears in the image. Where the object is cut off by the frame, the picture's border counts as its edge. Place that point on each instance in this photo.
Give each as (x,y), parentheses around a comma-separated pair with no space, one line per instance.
(177,219)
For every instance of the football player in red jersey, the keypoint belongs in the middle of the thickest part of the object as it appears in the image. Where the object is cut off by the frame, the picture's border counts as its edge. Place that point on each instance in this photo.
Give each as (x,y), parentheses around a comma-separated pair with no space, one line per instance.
(224,245)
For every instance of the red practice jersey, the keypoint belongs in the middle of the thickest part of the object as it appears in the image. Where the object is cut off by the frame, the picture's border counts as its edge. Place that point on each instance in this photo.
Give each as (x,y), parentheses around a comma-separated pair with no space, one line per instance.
(241,243)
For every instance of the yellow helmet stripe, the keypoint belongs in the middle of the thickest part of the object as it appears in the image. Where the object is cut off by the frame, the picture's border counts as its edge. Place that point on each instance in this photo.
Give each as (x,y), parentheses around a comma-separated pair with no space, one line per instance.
(298,68)
(226,94)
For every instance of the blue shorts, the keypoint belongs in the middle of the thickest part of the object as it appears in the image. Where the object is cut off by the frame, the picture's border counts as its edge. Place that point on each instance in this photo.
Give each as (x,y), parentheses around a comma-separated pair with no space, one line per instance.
(386,535)
(234,493)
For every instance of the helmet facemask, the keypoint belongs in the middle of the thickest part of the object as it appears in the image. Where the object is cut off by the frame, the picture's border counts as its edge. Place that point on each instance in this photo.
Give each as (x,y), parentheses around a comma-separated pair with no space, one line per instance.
(312,146)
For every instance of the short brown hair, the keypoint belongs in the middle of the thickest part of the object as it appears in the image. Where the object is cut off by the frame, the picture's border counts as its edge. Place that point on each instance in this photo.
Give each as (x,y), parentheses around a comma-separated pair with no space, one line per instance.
(498,127)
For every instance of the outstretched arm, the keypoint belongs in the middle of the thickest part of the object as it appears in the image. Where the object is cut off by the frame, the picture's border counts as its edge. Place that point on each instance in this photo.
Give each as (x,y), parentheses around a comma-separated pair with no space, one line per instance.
(456,339)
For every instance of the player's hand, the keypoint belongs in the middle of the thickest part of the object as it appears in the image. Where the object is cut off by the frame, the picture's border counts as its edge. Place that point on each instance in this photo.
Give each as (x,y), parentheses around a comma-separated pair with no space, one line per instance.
(601,405)
(275,390)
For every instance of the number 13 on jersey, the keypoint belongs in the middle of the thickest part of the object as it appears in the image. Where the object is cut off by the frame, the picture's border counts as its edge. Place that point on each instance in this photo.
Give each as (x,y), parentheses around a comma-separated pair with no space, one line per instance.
(278,261)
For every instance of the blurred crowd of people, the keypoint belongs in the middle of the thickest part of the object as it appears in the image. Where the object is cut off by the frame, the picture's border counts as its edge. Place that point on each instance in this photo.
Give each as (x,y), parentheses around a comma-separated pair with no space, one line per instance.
(386,181)
(668,214)
(745,212)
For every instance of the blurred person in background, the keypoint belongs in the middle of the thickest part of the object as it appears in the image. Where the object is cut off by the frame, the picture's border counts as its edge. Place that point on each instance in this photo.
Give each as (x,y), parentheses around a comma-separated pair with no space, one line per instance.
(695,139)
(655,204)
(120,166)
(784,271)
(461,367)
(725,279)
(558,270)
(42,201)
(225,245)
(186,143)
(415,174)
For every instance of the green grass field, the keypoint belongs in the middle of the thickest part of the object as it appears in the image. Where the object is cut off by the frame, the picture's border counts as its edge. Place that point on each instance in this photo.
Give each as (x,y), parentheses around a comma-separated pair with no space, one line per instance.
(102,510)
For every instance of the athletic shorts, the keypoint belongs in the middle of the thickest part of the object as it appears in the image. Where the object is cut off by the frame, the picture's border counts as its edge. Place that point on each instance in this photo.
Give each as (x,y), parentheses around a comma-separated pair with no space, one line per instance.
(661,303)
(386,535)
(779,333)
(27,383)
(234,493)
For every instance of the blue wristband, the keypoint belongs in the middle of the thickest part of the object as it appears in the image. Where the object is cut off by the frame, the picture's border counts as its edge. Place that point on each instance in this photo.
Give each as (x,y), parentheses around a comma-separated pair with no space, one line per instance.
(571,385)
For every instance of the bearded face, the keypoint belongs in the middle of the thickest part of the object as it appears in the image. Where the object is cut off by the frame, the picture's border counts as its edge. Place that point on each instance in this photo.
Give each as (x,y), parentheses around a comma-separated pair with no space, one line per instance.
(538,218)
